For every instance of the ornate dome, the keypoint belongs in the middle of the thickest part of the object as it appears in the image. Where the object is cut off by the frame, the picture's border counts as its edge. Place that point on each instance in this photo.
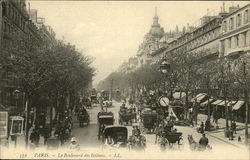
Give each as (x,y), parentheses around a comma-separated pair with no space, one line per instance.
(156,30)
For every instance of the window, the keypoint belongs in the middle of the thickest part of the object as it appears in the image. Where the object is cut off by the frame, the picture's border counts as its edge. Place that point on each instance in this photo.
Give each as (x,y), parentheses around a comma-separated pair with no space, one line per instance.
(5,27)
(246,16)
(231,23)
(223,46)
(238,20)
(224,26)
(229,42)
(237,40)
(244,39)
(9,10)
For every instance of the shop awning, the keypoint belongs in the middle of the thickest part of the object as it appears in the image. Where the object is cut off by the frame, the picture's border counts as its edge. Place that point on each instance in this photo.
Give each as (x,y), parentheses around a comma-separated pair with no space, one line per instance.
(217,102)
(229,103)
(238,105)
(199,97)
(206,102)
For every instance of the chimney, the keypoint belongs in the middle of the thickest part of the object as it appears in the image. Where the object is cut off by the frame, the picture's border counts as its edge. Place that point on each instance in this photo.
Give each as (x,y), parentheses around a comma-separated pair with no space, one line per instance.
(233,9)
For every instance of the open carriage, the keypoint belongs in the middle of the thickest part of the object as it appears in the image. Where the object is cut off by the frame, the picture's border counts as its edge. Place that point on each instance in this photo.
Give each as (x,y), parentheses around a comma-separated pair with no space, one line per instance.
(83,117)
(126,116)
(94,100)
(172,140)
(104,119)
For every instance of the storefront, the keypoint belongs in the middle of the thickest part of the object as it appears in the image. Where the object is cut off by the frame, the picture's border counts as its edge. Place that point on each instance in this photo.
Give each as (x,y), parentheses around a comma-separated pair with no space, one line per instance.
(239,111)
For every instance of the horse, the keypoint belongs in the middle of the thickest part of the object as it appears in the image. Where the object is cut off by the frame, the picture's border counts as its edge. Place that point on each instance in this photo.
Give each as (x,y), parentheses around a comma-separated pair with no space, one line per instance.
(137,143)
(194,146)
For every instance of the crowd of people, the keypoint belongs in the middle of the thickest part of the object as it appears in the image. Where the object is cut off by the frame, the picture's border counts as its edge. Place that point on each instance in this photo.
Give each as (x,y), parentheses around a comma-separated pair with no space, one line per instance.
(62,130)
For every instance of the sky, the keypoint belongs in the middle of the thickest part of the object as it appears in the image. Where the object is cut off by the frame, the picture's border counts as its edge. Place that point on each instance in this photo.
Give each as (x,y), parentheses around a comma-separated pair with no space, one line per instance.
(111,32)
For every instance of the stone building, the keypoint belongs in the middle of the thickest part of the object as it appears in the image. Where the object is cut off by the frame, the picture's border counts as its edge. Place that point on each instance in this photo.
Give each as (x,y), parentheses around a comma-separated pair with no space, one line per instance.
(14,18)
(16,23)
(151,42)
(235,38)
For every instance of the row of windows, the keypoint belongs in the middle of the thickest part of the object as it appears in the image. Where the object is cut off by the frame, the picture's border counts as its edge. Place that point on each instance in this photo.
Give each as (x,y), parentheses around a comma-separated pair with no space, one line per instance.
(236,41)
(236,21)
(11,12)
(203,39)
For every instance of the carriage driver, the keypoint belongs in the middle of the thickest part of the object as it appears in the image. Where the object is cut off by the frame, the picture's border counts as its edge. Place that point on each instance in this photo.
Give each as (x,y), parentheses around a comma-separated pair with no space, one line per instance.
(136,131)
(203,141)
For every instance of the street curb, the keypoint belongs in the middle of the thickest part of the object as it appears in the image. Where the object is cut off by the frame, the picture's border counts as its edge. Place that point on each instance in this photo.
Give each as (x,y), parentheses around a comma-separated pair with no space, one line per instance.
(224,141)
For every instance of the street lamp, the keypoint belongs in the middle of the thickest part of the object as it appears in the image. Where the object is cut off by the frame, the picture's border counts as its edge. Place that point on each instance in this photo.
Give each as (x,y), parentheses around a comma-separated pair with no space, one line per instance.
(16,95)
(165,66)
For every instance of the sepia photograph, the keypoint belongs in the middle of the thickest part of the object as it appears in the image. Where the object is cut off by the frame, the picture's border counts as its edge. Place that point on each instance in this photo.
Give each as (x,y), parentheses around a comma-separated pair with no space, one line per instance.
(96,79)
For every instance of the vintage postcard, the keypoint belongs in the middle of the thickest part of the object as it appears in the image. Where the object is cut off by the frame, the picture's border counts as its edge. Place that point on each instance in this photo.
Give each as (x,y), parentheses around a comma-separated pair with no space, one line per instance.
(124,80)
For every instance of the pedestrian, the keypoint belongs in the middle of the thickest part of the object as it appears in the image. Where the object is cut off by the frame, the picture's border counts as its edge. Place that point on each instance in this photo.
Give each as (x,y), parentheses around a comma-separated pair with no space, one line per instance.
(201,128)
(233,126)
(191,120)
(62,135)
(207,125)
(35,137)
(46,134)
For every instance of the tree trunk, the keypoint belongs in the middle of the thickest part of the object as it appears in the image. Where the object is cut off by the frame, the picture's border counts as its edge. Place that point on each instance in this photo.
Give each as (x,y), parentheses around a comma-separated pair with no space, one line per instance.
(27,127)
(186,107)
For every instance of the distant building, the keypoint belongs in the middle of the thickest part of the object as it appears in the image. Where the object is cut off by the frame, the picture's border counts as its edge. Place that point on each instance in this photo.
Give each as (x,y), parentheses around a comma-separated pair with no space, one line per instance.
(151,42)
(45,32)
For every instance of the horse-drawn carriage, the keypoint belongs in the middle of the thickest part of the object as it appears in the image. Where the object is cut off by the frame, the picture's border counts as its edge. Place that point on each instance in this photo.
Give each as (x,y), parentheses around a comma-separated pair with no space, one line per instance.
(170,139)
(127,116)
(115,136)
(149,119)
(104,119)
(83,117)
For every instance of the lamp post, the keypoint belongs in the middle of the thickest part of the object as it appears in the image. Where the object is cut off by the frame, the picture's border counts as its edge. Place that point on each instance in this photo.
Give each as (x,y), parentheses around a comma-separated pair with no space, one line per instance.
(16,96)
(164,68)
(246,102)
(111,89)
(208,93)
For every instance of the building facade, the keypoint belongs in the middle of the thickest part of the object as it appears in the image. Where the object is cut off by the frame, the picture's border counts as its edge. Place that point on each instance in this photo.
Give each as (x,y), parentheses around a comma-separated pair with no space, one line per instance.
(235,33)
(16,23)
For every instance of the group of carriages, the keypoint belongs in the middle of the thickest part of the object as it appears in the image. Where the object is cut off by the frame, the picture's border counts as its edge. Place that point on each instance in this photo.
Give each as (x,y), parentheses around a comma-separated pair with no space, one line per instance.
(116,136)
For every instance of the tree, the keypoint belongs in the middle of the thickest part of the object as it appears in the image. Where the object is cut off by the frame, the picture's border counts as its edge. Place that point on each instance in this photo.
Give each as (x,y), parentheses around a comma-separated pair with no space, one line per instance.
(51,73)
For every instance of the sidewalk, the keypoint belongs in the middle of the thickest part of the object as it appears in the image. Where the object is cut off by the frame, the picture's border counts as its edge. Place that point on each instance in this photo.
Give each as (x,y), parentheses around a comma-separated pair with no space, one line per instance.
(219,133)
